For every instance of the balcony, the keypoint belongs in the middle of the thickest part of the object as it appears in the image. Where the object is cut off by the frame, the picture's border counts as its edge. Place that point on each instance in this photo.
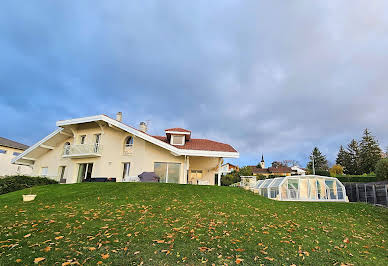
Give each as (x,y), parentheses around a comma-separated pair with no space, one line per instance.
(82,151)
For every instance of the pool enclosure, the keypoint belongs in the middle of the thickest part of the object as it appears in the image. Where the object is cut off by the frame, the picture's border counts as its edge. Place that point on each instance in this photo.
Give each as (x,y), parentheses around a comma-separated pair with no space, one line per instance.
(298,188)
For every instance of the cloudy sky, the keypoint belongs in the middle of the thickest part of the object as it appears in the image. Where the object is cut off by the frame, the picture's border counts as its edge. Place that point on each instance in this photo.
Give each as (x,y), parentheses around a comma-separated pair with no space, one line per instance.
(272,77)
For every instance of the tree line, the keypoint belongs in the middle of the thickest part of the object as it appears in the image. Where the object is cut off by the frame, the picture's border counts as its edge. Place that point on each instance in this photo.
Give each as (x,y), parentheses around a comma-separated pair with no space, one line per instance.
(360,157)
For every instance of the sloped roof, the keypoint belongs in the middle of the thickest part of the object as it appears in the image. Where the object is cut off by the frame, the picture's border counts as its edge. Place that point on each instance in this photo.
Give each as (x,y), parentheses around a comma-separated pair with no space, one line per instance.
(271,170)
(12,144)
(201,144)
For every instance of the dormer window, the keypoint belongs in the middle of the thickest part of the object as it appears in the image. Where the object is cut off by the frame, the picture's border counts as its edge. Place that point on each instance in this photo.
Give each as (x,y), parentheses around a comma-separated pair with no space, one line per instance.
(177,140)
(178,136)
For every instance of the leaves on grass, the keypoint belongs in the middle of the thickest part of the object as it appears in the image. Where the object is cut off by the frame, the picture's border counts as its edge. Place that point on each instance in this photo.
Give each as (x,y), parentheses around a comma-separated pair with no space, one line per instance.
(28,235)
(37,260)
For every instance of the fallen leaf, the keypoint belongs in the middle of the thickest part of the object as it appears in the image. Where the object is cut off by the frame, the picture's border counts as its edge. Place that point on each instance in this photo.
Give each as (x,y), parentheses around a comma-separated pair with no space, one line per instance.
(28,235)
(346,240)
(91,248)
(268,258)
(58,237)
(19,260)
(37,260)
(158,241)
(238,260)
(104,256)
(47,249)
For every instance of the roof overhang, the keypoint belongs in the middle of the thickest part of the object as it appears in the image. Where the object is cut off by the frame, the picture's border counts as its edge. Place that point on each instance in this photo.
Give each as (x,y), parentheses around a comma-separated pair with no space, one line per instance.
(47,143)
(24,157)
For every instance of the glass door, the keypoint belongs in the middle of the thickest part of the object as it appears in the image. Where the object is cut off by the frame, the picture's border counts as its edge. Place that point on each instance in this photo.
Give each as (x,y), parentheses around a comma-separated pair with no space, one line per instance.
(85,172)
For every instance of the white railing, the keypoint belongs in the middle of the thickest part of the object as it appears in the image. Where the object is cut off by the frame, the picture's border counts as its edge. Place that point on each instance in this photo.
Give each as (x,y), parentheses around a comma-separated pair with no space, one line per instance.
(82,149)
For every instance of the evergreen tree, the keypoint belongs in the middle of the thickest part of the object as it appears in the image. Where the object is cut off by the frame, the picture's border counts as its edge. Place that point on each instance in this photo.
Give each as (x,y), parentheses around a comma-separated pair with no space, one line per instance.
(320,162)
(353,166)
(343,159)
(370,152)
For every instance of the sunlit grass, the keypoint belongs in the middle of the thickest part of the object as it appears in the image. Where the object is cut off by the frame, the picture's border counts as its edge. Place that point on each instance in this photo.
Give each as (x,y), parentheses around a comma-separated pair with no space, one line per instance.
(123,223)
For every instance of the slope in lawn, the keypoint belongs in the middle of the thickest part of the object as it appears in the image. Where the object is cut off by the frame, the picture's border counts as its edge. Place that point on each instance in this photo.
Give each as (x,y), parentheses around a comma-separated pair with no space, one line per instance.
(120,223)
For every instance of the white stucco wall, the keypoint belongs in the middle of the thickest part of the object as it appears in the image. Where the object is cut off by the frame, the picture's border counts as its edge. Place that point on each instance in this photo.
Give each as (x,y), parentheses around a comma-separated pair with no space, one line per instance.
(6,168)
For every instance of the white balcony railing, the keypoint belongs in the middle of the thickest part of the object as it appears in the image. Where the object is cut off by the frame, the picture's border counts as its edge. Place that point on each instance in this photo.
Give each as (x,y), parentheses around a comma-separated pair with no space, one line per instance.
(82,150)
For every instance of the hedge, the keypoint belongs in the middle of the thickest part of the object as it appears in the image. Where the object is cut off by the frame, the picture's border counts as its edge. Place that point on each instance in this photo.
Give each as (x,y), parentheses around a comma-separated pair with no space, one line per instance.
(13,183)
(358,178)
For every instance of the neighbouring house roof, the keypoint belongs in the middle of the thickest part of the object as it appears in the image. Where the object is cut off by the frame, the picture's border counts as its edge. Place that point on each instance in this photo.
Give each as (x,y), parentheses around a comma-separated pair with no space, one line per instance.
(270,170)
(12,144)
(201,144)
(230,165)
(198,147)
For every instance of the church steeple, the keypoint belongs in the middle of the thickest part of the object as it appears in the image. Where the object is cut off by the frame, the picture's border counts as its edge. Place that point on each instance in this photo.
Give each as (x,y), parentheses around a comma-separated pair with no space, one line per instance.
(262,164)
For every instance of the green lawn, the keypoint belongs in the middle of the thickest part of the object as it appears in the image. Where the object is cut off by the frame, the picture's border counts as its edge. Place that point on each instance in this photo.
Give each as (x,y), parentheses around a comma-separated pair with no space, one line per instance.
(134,223)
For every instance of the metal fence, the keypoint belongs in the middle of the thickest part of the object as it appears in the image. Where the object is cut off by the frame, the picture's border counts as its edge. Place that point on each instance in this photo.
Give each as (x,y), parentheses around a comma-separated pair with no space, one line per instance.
(365,192)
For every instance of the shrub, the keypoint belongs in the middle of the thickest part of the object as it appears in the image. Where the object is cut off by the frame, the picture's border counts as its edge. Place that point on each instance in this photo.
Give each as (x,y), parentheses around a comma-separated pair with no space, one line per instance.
(382,169)
(336,170)
(322,172)
(13,183)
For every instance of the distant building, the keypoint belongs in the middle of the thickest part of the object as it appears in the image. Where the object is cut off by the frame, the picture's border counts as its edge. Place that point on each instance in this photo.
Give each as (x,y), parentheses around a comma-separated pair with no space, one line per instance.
(9,149)
(296,170)
(278,171)
(228,168)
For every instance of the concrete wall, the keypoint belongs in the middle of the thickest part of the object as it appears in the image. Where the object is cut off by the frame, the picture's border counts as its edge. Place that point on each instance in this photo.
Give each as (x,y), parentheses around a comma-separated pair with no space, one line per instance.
(142,156)
(6,168)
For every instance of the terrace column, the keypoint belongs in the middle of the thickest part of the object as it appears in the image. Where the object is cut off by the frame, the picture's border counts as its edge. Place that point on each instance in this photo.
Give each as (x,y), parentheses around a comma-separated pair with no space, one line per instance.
(186,169)
(219,171)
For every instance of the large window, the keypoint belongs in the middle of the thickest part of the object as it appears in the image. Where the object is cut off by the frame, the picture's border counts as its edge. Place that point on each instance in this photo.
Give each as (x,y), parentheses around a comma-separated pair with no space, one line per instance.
(3,151)
(126,169)
(16,153)
(168,172)
(195,176)
(61,173)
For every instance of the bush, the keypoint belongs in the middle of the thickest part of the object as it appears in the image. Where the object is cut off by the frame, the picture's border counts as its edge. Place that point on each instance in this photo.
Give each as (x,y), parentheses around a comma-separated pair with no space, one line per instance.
(336,170)
(13,183)
(322,172)
(382,169)
(358,178)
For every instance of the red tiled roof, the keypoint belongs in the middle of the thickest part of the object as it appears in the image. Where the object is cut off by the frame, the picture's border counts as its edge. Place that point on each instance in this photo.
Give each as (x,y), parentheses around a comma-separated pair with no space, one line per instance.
(178,129)
(201,144)
(270,170)
(192,144)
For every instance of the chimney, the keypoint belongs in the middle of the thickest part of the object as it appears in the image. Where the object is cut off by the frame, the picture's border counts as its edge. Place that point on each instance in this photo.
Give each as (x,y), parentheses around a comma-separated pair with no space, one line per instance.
(119,116)
(143,127)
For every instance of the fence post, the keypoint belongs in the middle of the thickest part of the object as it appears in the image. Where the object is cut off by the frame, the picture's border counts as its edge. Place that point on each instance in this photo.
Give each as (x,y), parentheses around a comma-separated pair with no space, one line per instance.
(386,194)
(374,194)
(357,194)
(366,195)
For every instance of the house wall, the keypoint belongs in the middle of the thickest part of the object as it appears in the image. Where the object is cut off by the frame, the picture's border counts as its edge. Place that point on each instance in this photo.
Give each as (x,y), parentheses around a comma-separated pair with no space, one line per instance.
(142,156)
(6,168)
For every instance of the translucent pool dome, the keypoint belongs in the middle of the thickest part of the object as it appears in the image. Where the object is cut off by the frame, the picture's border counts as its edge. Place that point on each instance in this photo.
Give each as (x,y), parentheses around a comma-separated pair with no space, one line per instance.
(298,188)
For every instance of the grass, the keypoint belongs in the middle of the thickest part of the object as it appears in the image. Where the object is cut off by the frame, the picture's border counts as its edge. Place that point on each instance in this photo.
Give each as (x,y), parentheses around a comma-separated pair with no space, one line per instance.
(134,223)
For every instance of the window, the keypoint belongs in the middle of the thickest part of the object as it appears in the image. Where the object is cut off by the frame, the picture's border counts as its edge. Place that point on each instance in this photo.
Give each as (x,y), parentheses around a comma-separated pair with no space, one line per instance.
(61,174)
(16,153)
(177,140)
(129,142)
(168,172)
(3,151)
(126,169)
(97,143)
(66,148)
(85,172)
(82,139)
(44,171)
(195,175)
